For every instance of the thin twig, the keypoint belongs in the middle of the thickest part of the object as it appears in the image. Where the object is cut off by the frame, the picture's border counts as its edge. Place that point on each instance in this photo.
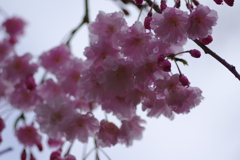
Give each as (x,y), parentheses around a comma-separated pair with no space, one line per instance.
(230,67)
(69,149)
(155,6)
(84,20)
(105,153)
(5,150)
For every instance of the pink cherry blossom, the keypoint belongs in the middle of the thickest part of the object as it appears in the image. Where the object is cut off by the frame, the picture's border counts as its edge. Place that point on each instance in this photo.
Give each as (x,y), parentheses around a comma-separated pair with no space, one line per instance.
(24,99)
(117,77)
(19,68)
(200,22)
(170,26)
(56,58)
(49,89)
(180,98)
(52,115)
(93,90)
(69,75)
(14,26)
(120,107)
(108,134)
(134,41)
(80,126)
(29,136)
(97,52)
(155,105)
(108,25)
(131,130)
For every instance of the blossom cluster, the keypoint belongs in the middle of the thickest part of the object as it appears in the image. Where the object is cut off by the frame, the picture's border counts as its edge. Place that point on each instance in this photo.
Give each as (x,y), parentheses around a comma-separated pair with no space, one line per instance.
(126,67)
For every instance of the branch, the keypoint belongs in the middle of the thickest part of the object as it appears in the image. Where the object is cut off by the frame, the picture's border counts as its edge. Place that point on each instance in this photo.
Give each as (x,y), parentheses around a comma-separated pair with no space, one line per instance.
(155,6)
(230,67)
(84,20)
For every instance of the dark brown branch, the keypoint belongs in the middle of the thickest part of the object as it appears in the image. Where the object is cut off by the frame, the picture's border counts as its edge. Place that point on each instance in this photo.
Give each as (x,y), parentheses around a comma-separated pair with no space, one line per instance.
(155,6)
(230,67)
(84,20)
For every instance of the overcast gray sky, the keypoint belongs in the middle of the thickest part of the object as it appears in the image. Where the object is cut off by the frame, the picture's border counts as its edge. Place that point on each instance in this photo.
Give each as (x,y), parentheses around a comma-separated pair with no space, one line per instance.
(209,132)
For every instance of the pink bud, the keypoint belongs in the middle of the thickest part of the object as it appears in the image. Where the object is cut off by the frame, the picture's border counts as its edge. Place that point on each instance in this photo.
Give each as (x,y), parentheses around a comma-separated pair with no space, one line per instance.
(23,155)
(166,66)
(163,5)
(2,124)
(54,142)
(218,1)
(32,157)
(138,2)
(55,155)
(189,6)
(125,12)
(178,4)
(40,147)
(30,83)
(195,53)
(161,58)
(206,40)
(196,3)
(147,22)
(229,2)
(184,80)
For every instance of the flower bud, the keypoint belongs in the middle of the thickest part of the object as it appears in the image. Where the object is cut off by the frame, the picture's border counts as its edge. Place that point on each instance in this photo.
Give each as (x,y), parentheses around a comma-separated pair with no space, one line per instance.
(125,12)
(229,2)
(178,4)
(218,1)
(32,157)
(184,80)
(23,155)
(206,40)
(166,66)
(138,2)
(147,22)
(163,5)
(30,83)
(196,3)
(195,53)
(55,155)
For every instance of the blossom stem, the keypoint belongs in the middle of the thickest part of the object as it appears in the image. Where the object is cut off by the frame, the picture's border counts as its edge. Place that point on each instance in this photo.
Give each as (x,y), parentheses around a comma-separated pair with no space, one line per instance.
(89,153)
(178,68)
(6,150)
(105,153)
(69,149)
(96,147)
(84,20)
(230,67)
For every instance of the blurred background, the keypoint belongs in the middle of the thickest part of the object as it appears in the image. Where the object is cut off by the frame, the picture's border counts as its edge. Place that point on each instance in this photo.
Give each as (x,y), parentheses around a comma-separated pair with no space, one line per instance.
(211,131)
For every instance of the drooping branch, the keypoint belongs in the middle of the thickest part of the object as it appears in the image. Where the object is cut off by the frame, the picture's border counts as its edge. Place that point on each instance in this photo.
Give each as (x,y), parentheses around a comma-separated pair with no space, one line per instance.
(230,67)
(84,20)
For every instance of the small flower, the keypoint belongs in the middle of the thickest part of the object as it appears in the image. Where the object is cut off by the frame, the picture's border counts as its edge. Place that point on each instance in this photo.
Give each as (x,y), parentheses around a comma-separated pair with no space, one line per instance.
(14,26)
(200,22)
(28,136)
(170,26)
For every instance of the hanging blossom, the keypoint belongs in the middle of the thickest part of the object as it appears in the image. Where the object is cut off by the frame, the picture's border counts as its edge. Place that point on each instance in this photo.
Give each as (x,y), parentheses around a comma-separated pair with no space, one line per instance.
(200,22)
(170,26)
